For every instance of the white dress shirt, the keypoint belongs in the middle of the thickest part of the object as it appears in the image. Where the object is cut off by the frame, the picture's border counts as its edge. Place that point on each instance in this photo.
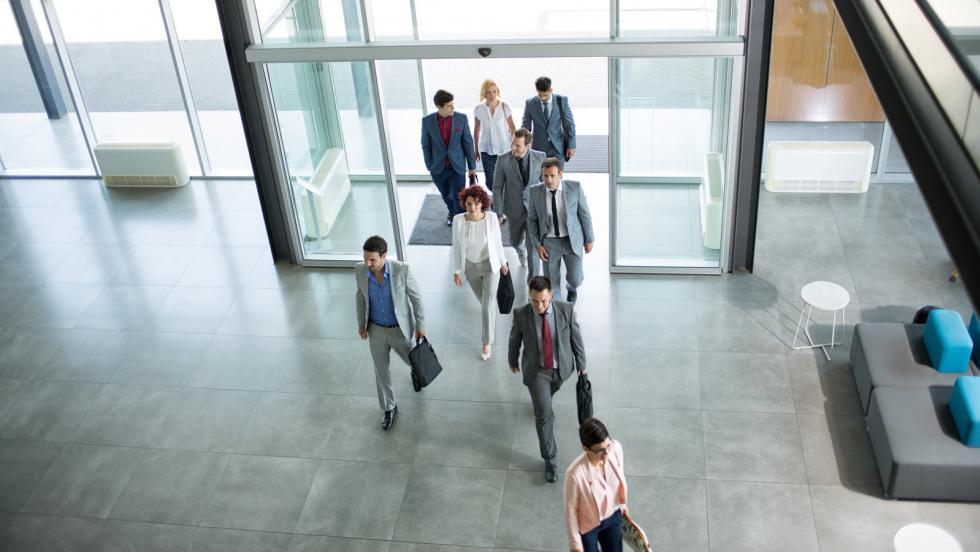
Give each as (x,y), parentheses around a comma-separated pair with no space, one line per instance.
(494,134)
(560,201)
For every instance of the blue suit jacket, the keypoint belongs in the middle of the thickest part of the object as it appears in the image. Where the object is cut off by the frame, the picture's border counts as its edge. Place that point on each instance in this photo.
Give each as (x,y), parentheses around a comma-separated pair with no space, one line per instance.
(459,151)
(547,134)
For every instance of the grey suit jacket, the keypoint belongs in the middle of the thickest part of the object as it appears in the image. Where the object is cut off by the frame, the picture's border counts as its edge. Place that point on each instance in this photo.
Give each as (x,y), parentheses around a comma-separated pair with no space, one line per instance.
(571,349)
(578,219)
(405,295)
(549,131)
(509,191)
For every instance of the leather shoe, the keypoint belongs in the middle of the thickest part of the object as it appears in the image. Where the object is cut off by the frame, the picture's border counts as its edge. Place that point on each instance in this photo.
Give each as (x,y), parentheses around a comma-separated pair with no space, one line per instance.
(550,473)
(389,418)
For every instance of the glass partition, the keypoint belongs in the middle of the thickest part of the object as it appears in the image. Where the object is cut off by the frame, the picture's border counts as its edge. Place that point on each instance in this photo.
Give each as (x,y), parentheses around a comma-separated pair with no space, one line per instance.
(126,73)
(31,137)
(311,21)
(671,181)
(328,127)
(642,18)
(209,78)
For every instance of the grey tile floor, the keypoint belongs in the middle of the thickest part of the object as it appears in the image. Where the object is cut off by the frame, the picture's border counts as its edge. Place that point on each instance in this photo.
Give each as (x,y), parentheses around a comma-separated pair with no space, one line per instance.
(164,386)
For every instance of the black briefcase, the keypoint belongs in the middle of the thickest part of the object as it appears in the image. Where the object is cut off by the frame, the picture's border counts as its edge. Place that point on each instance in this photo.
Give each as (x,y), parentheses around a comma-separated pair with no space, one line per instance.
(583,398)
(425,365)
(505,293)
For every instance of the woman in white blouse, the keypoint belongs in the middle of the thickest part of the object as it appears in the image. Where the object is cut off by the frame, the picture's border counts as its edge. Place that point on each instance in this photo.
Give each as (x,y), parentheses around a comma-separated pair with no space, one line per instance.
(478,254)
(493,129)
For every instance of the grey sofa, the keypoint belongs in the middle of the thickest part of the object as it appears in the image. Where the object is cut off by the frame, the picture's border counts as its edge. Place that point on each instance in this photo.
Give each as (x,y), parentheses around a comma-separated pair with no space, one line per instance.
(917,448)
(893,355)
(905,401)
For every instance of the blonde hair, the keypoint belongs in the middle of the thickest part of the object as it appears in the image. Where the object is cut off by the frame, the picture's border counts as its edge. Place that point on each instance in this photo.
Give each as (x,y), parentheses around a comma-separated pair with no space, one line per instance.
(486,86)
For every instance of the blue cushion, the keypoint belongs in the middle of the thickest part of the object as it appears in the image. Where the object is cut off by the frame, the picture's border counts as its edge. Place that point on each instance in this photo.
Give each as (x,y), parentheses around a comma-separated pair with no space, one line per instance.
(964,405)
(975,335)
(947,341)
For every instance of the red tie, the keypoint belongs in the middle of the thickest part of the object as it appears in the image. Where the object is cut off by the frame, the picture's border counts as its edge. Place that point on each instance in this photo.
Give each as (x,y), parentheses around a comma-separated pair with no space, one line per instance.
(546,345)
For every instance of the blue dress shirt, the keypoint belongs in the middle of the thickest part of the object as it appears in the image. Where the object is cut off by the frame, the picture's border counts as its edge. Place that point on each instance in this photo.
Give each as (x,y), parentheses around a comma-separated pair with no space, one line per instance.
(381,309)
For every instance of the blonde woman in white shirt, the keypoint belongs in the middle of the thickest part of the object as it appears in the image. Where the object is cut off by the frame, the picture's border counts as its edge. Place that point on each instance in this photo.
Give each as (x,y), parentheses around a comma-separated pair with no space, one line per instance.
(478,255)
(493,129)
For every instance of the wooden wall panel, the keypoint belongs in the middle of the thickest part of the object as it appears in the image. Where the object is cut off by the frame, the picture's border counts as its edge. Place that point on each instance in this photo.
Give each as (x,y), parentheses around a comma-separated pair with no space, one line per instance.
(850,96)
(815,75)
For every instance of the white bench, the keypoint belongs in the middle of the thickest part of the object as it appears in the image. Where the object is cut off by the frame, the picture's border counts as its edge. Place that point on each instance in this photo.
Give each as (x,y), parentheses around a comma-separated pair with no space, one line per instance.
(834,167)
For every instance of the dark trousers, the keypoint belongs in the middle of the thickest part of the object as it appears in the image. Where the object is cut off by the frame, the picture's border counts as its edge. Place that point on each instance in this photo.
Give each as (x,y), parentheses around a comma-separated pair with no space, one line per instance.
(551,152)
(608,536)
(489,164)
(450,183)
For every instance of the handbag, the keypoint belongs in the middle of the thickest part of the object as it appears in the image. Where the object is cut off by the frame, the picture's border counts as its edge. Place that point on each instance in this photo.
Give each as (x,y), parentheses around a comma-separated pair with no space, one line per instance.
(633,536)
(505,293)
(425,364)
(564,129)
(583,398)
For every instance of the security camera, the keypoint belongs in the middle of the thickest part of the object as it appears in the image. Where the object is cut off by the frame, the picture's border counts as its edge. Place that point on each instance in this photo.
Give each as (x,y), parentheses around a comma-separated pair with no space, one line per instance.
(485,52)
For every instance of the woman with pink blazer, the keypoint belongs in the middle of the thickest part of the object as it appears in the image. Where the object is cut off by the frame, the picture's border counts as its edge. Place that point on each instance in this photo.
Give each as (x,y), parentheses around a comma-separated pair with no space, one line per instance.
(595,492)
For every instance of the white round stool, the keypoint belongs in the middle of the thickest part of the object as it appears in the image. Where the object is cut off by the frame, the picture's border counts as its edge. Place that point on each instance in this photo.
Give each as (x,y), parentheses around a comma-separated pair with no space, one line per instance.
(922,537)
(826,296)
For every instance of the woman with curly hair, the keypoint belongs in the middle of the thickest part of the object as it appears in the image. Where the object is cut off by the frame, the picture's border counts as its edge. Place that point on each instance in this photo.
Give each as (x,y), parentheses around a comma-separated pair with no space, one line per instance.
(478,255)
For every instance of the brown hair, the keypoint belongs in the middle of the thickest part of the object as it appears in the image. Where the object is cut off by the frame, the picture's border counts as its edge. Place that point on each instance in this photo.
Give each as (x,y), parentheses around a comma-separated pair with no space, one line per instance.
(479,193)
(551,162)
(525,134)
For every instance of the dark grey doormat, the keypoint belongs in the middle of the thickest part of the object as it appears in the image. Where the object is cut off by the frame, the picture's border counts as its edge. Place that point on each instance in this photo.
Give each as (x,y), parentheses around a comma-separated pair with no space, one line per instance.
(431,229)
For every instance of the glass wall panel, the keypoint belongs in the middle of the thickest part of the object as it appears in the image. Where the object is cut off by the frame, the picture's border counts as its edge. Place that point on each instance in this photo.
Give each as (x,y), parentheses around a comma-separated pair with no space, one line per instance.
(123,63)
(672,119)
(471,19)
(31,139)
(209,78)
(643,18)
(329,132)
(312,21)
(403,111)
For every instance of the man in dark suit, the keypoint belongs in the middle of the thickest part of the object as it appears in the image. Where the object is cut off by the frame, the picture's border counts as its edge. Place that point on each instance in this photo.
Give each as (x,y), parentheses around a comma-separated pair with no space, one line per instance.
(447,147)
(559,225)
(553,349)
(517,171)
(549,117)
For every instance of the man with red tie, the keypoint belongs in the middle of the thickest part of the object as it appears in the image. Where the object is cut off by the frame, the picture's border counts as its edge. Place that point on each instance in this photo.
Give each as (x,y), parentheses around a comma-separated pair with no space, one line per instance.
(553,350)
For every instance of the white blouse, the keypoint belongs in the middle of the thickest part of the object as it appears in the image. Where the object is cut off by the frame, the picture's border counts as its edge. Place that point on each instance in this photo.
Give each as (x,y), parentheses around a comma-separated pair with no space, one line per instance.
(494,135)
(475,237)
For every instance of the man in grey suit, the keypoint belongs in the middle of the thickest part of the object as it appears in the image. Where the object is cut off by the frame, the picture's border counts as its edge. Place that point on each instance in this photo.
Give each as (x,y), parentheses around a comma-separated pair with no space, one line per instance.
(560,226)
(389,315)
(553,349)
(549,117)
(516,172)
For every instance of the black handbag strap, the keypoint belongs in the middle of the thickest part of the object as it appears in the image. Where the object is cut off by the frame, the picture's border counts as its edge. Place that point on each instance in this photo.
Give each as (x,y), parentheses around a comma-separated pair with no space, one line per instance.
(564,129)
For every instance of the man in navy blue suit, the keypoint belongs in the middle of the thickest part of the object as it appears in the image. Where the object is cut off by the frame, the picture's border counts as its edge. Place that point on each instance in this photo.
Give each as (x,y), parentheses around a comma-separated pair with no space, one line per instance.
(447,147)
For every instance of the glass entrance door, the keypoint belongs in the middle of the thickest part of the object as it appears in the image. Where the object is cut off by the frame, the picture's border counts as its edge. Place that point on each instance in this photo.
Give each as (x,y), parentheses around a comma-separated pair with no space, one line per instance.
(334,157)
(671,179)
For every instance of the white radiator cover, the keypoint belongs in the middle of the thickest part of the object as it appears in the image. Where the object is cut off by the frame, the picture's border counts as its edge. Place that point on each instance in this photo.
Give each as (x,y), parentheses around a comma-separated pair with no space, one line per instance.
(322,197)
(828,167)
(143,165)
(711,195)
